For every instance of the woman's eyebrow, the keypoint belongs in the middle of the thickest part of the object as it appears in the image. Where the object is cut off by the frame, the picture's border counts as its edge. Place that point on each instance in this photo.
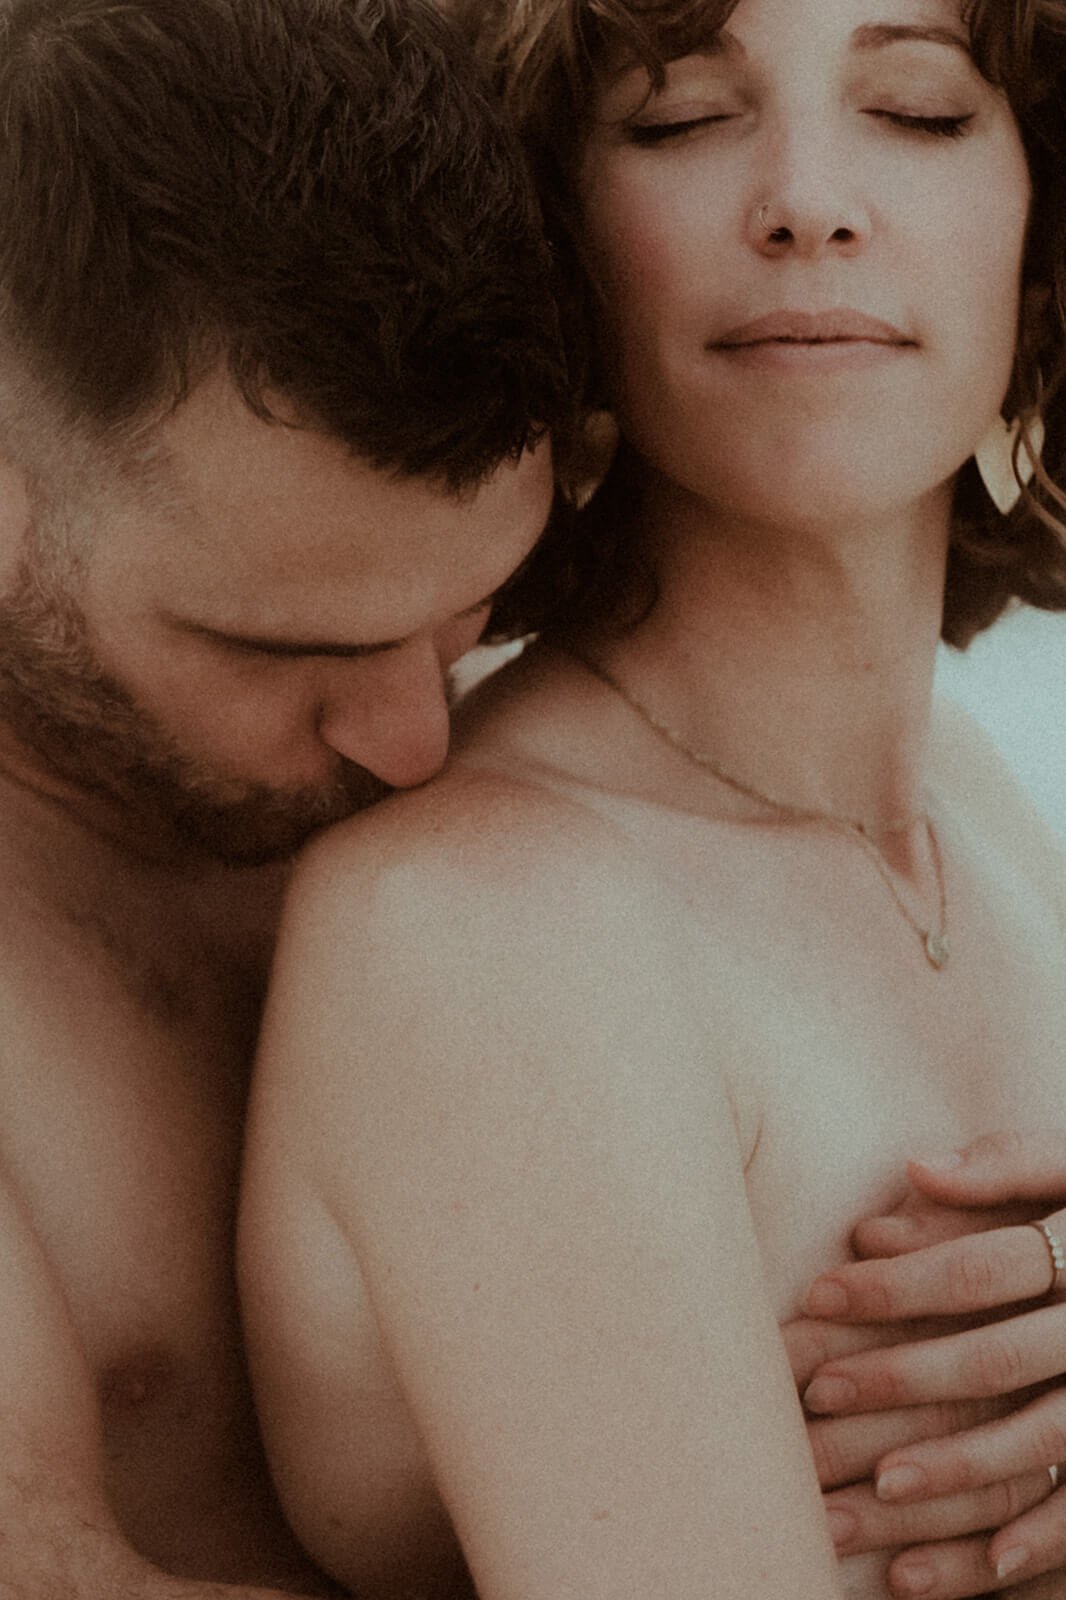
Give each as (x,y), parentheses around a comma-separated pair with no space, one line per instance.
(876,35)
(723,45)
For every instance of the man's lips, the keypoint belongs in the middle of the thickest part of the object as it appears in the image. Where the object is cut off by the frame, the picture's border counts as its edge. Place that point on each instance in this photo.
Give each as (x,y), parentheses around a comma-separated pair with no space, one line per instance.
(809,327)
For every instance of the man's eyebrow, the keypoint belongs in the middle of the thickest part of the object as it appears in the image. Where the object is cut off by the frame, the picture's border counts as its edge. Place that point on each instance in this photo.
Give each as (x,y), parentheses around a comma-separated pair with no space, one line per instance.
(876,35)
(302,649)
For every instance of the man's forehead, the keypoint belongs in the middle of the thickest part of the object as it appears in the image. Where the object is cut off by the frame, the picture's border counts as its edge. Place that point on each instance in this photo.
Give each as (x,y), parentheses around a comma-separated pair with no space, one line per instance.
(296,543)
(219,448)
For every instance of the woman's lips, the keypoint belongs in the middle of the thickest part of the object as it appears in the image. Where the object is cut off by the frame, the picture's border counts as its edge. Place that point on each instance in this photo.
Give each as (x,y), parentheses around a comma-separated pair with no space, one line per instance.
(817,341)
(813,327)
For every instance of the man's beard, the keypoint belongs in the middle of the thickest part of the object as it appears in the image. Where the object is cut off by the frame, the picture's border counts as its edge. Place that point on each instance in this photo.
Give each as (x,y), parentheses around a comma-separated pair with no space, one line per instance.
(89,730)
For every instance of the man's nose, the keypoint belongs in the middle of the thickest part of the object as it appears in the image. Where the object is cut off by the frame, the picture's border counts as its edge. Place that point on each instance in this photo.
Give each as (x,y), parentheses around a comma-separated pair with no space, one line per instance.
(393,720)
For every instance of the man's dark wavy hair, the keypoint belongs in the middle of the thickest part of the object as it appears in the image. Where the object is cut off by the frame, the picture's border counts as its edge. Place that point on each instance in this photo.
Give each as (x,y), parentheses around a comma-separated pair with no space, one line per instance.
(316,193)
(545,56)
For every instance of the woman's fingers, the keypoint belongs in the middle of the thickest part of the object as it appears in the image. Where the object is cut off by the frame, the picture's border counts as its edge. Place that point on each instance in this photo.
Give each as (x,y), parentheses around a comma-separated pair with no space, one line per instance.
(916,1227)
(810,1344)
(950,1463)
(960,1568)
(1035,1543)
(849,1449)
(1027,1558)
(1051,1587)
(858,1521)
(975,1273)
(952,1571)
(1001,1358)
(953,1478)
(1000,1166)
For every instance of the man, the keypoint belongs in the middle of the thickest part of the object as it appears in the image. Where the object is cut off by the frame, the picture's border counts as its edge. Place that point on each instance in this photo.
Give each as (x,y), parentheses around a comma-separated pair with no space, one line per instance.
(276,353)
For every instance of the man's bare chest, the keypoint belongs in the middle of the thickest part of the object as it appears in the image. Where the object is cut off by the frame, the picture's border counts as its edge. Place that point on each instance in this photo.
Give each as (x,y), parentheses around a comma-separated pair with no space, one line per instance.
(120,1131)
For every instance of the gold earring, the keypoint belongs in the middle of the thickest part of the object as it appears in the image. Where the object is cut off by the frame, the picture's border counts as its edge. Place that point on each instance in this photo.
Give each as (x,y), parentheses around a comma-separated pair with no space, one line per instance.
(1005,469)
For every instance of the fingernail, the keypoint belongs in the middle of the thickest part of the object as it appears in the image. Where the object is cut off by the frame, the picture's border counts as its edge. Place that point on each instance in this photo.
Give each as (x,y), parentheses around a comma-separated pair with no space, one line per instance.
(842,1525)
(830,1394)
(828,1299)
(1012,1561)
(898,1483)
(912,1577)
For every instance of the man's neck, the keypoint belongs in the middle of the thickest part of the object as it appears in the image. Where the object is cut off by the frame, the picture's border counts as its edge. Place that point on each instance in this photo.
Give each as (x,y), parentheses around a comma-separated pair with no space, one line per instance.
(31,785)
(67,845)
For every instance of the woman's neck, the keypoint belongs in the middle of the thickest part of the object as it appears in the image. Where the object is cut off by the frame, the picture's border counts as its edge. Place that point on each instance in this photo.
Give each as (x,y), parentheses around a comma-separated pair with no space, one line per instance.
(800,660)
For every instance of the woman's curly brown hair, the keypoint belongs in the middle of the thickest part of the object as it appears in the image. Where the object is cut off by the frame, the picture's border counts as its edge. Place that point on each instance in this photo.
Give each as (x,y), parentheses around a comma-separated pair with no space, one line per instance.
(545,58)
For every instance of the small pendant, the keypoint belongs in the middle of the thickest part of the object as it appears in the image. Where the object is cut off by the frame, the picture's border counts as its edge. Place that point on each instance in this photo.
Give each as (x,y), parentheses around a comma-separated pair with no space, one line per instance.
(937,948)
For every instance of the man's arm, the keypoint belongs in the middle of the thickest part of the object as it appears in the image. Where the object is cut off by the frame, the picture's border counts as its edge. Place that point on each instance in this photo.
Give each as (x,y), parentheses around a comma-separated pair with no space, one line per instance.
(57,1532)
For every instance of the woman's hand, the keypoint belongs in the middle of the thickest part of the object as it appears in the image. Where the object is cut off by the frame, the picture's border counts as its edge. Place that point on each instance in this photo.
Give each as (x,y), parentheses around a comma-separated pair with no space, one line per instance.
(847,1450)
(947,1470)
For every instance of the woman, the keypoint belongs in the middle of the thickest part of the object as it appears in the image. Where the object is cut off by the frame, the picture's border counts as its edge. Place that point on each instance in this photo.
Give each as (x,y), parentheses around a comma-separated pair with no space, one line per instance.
(581,1061)
(949,1251)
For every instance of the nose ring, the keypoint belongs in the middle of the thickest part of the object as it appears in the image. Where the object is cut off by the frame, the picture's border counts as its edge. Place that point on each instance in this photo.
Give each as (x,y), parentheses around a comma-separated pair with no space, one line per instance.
(762,219)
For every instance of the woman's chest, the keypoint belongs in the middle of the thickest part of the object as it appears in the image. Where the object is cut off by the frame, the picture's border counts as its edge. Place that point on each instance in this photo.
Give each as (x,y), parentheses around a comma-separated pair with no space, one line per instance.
(846,1051)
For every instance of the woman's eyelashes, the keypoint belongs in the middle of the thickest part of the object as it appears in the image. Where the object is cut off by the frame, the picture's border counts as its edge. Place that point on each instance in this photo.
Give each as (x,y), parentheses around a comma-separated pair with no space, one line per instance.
(940,127)
(944,126)
(652,133)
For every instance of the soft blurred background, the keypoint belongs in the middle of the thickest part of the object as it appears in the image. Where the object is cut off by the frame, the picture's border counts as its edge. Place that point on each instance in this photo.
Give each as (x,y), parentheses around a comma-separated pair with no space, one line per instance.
(1013,680)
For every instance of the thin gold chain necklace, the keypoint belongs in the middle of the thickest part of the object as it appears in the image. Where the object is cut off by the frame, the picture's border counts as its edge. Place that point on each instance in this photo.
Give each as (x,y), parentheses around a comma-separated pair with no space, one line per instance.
(935,940)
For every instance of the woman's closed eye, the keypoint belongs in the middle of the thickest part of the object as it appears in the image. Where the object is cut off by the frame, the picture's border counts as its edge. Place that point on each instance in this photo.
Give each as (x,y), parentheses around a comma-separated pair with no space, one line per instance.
(653,133)
(667,129)
(941,127)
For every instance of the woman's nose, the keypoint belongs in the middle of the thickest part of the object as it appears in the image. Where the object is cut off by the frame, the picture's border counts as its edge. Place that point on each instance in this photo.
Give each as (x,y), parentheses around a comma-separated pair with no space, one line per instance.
(808,203)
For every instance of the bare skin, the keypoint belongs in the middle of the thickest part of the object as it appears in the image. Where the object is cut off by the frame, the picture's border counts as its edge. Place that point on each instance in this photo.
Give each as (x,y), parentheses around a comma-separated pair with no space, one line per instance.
(581,1064)
(130,995)
(875,1044)
(961,1246)
(278,621)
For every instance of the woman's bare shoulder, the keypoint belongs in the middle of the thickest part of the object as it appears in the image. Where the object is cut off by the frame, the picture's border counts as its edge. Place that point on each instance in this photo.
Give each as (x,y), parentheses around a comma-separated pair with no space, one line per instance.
(509,810)
(982,789)
(541,714)
(486,822)
(487,862)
